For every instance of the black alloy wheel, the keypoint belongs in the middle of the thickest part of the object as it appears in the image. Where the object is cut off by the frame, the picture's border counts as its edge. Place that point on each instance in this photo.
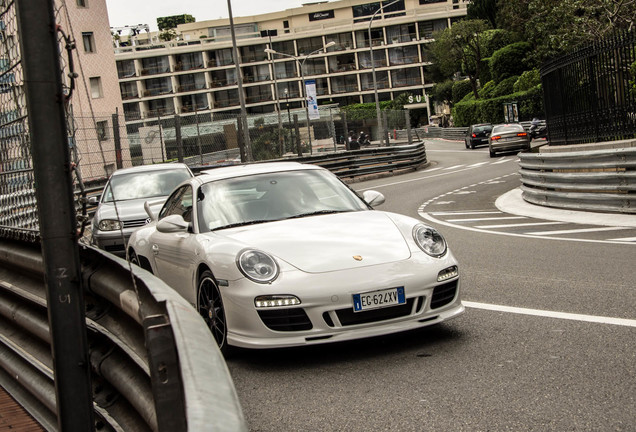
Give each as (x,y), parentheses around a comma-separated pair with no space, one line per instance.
(210,307)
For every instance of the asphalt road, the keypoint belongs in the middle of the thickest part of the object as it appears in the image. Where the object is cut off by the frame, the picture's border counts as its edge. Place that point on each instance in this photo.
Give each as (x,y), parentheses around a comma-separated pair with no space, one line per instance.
(547,343)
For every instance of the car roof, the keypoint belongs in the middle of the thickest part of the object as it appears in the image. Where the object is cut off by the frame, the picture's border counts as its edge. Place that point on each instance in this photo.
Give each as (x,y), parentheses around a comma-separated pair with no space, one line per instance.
(252,169)
(154,167)
(481,124)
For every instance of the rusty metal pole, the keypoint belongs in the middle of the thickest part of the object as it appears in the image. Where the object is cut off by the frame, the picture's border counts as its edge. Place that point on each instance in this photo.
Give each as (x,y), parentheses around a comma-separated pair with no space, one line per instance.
(56,209)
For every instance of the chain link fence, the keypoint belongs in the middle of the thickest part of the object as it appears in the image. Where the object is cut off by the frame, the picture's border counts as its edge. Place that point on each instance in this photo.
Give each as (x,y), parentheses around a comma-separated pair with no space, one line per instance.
(18,218)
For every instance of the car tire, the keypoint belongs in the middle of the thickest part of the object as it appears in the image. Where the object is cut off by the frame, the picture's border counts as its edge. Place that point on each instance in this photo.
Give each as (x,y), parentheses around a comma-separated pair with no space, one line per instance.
(133,258)
(492,154)
(472,146)
(466,144)
(210,307)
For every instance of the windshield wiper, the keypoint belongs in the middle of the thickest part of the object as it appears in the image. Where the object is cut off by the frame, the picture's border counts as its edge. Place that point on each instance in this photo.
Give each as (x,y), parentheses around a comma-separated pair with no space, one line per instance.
(239,224)
(319,212)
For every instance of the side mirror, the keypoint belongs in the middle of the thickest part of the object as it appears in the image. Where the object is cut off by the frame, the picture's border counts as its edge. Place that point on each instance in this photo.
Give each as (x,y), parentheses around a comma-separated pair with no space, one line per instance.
(94,200)
(373,198)
(172,224)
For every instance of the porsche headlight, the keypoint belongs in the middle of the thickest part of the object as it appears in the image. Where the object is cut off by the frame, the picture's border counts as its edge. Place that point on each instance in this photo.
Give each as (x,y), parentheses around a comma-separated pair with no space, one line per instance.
(109,225)
(257,266)
(429,240)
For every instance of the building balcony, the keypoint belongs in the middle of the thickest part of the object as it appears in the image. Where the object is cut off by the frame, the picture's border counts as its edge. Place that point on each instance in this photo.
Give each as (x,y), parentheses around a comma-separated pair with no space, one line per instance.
(224,103)
(406,82)
(396,61)
(190,87)
(156,70)
(157,91)
(160,112)
(129,95)
(182,67)
(338,89)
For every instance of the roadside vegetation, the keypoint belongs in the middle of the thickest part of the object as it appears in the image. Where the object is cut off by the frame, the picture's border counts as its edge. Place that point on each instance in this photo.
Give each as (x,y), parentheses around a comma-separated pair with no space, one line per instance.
(493,56)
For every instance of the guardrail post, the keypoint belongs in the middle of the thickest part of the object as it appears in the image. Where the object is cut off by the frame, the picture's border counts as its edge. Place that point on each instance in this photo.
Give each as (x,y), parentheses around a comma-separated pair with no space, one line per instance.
(167,388)
(58,230)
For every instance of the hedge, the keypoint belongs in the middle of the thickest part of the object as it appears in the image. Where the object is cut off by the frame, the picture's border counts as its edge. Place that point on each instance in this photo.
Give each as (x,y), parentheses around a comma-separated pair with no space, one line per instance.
(509,61)
(530,104)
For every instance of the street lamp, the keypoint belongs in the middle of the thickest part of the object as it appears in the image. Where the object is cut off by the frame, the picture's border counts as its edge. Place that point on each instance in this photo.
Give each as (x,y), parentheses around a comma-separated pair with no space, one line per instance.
(375,83)
(301,63)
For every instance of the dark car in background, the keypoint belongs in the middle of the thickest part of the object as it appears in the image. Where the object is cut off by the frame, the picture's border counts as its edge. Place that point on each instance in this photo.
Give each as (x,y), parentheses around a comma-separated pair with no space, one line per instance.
(121,204)
(477,135)
(508,138)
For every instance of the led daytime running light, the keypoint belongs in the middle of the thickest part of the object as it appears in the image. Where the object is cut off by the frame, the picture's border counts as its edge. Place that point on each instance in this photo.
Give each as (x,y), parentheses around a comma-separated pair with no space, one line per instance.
(276,301)
(447,273)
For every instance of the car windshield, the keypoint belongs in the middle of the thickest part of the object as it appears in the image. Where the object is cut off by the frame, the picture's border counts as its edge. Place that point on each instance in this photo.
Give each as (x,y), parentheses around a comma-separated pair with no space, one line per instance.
(273,196)
(478,129)
(146,184)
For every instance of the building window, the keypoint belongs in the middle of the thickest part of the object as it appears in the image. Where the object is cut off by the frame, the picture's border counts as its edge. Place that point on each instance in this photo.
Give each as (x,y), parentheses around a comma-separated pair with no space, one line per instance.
(102,130)
(96,87)
(89,42)
(81,3)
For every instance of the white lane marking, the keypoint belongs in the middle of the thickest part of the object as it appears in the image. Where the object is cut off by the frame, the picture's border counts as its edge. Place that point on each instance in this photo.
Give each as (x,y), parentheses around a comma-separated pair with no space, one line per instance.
(502,161)
(429,217)
(478,164)
(486,219)
(576,231)
(625,239)
(459,213)
(425,178)
(552,314)
(453,167)
(433,169)
(520,225)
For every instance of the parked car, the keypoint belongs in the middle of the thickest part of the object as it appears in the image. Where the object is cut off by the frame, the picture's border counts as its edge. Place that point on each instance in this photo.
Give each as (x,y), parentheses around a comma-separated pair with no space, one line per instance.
(284,254)
(508,137)
(120,207)
(477,135)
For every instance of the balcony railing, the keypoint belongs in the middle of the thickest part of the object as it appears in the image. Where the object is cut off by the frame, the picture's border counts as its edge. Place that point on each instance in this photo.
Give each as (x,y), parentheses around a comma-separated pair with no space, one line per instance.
(126,74)
(350,88)
(224,103)
(155,70)
(192,108)
(157,91)
(180,67)
(191,87)
(160,112)
(220,62)
(366,64)
(343,67)
(393,39)
(405,82)
(129,95)
(404,60)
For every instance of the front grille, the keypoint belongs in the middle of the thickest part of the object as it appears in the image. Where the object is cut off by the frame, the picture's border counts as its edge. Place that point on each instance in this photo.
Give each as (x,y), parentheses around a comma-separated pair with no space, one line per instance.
(444,294)
(135,223)
(349,317)
(294,319)
(114,248)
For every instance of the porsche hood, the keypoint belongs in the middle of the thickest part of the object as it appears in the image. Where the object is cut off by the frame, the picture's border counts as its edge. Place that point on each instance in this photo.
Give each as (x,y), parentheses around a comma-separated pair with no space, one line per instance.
(327,243)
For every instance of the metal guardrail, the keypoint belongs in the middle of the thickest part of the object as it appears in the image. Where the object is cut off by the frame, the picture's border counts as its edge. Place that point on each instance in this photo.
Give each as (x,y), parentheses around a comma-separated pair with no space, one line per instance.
(593,180)
(375,160)
(155,365)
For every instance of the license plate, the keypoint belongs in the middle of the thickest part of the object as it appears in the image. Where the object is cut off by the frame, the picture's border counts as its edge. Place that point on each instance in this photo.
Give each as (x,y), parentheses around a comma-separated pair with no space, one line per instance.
(378,299)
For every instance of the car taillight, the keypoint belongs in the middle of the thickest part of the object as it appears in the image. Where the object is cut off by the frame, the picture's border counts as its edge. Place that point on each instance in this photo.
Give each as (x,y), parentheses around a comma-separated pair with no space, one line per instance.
(495,138)
(522,134)
(474,135)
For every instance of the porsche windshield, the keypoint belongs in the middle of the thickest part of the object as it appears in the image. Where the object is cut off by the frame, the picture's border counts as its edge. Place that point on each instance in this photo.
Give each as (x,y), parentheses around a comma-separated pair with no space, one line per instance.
(145,184)
(273,196)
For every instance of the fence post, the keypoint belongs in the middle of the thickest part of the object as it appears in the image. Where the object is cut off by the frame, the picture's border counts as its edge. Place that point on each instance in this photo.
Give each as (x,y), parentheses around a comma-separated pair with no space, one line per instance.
(407,117)
(179,140)
(117,139)
(296,128)
(55,202)
(346,126)
(385,124)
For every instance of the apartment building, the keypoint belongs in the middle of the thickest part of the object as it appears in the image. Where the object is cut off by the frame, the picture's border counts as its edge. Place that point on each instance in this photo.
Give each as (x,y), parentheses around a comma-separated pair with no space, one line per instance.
(196,73)
(94,98)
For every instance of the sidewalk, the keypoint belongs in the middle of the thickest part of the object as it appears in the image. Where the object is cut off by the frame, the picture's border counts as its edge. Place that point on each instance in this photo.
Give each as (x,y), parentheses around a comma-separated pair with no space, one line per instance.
(512,202)
(15,418)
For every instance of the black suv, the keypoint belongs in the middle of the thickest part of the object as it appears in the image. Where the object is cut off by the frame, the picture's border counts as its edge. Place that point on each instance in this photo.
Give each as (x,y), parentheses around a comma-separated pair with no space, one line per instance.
(478,135)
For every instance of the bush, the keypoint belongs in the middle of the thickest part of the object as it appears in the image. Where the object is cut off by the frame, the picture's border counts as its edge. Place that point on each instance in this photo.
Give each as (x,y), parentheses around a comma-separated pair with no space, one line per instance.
(443,92)
(530,104)
(527,80)
(505,87)
(509,61)
(485,92)
(495,39)
(484,70)
(461,89)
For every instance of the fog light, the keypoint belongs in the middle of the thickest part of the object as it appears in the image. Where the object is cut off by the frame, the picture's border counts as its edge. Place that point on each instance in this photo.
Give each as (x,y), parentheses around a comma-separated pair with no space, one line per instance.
(447,273)
(276,301)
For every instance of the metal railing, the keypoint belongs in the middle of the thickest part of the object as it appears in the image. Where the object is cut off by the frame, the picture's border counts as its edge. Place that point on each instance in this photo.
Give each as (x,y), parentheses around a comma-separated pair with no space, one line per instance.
(147,374)
(592,180)
(589,94)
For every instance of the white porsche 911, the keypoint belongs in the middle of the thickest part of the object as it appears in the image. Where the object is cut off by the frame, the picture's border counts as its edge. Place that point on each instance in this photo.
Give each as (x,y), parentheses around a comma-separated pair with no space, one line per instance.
(282,254)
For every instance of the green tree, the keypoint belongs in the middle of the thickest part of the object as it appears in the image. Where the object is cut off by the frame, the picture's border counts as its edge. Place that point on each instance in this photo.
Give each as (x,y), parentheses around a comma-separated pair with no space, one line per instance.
(483,10)
(170,22)
(459,49)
